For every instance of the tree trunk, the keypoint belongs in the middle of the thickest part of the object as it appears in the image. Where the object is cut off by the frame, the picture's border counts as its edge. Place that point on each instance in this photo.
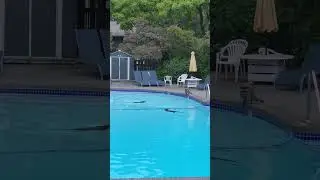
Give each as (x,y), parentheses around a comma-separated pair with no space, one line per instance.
(200,11)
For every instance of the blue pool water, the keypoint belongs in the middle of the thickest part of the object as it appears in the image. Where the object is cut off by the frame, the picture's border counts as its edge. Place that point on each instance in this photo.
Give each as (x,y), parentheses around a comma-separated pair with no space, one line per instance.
(147,141)
(248,148)
(35,145)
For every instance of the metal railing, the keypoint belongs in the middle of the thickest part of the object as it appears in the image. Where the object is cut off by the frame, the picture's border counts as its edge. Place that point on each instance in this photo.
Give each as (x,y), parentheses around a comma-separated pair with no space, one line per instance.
(316,88)
(207,89)
(312,78)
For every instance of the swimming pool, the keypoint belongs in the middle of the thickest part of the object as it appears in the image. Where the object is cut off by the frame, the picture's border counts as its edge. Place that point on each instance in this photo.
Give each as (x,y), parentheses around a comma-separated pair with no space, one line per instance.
(158,135)
(35,142)
(248,148)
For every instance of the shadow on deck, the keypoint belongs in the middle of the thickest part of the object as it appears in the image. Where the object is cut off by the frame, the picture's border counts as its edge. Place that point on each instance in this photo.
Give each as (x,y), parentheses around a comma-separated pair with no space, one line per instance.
(52,76)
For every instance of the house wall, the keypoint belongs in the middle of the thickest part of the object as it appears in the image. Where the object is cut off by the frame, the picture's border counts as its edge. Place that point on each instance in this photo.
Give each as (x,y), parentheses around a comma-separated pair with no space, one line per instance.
(16,28)
(2,23)
(69,23)
(38,28)
(41,28)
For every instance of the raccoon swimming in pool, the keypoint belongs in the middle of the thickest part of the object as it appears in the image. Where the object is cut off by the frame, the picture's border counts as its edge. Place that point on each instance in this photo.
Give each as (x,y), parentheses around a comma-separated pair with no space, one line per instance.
(170,110)
(139,102)
(93,128)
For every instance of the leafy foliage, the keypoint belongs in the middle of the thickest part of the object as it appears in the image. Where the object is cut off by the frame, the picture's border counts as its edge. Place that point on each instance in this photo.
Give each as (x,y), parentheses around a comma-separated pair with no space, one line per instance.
(127,12)
(174,67)
(145,42)
(168,30)
(184,13)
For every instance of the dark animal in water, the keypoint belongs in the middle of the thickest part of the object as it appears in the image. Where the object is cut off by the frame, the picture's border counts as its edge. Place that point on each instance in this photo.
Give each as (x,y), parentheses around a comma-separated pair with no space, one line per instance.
(93,128)
(226,160)
(169,110)
(139,102)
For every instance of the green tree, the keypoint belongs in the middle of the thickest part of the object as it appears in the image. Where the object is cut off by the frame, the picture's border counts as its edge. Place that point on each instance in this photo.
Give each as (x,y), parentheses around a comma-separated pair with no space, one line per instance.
(191,14)
(127,12)
(185,13)
(145,41)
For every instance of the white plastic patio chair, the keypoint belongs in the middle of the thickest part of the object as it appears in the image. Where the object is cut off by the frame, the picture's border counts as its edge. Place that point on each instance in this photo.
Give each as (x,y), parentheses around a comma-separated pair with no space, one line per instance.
(182,79)
(167,79)
(241,42)
(230,56)
(244,44)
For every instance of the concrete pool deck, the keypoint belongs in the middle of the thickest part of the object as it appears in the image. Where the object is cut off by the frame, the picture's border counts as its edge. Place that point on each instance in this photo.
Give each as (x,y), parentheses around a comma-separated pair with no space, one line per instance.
(63,76)
(288,106)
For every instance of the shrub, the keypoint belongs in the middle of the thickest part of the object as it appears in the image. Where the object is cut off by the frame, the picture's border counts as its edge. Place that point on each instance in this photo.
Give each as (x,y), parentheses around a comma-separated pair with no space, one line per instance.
(173,67)
(182,43)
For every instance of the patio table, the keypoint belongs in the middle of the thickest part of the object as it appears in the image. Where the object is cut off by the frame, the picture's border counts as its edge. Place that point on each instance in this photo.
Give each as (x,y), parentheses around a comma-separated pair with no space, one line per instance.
(265,68)
(192,82)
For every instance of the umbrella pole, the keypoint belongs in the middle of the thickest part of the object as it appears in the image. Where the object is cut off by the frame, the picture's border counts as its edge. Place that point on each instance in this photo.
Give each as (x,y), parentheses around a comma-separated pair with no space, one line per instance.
(267,37)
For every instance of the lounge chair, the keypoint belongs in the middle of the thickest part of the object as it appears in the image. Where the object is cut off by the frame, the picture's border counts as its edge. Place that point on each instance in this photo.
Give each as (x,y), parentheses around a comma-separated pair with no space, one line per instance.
(90,51)
(146,77)
(182,79)
(105,35)
(295,78)
(138,79)
(154,79)
(203,85)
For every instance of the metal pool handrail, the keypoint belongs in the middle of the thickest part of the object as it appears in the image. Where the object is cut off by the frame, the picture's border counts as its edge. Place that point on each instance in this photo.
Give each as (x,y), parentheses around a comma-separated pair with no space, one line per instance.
(316,88)
(207,88)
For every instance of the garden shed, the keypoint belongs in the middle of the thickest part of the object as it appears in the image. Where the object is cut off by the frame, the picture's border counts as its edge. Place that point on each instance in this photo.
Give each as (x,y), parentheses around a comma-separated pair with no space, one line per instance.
(121,66)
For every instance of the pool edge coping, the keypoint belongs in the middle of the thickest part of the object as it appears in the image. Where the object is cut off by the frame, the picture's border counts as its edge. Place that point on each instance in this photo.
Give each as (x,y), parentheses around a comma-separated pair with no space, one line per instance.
(218,104)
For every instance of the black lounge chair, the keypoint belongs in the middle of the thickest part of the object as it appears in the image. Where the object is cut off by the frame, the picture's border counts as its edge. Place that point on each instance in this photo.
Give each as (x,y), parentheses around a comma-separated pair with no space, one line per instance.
(138,79)
(295,78)
(154,79)
(90,51)
(146,77)
(105,42)
(203,85)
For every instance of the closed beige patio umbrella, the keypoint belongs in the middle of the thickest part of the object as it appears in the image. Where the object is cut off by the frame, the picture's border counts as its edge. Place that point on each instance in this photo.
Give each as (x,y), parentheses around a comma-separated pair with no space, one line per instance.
(193,63)
(265,19)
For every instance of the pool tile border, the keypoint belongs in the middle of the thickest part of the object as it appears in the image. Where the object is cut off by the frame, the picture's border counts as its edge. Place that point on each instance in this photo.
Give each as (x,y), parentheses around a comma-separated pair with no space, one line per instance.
(220,105)
(176,178)
(59,92)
